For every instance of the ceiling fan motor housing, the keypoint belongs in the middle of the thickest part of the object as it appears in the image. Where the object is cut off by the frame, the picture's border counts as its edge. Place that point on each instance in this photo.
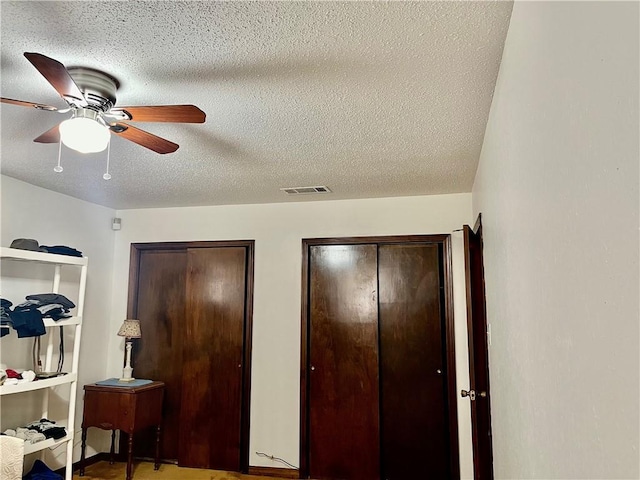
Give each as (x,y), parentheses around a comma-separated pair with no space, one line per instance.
(99,89)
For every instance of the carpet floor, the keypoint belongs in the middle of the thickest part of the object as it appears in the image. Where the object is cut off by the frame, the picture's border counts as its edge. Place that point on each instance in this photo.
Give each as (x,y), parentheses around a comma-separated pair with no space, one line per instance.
(145,471)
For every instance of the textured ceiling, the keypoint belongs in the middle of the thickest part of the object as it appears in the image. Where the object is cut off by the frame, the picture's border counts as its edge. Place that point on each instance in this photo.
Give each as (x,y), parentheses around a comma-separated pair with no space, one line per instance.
(372,99)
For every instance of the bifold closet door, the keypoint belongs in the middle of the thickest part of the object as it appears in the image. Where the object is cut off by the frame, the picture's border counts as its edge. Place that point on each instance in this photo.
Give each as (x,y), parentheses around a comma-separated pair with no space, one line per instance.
(191,302)
(413,407)
(213,330)
(158,354)
(343,398)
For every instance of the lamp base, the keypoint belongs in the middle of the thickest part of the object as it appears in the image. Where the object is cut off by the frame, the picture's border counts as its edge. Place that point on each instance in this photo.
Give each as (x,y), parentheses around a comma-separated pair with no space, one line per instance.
(127,371)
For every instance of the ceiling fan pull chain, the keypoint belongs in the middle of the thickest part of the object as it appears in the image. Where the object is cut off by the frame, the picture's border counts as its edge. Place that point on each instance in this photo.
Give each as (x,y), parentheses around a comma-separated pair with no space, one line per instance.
(107,175)
(58,168)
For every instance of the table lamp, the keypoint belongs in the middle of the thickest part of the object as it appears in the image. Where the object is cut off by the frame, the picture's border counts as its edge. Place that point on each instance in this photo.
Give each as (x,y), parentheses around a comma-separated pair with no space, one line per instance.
(130,329)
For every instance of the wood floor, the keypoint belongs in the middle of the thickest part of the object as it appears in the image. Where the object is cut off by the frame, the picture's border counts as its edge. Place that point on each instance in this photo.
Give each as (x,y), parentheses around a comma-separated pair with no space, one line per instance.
(144,471)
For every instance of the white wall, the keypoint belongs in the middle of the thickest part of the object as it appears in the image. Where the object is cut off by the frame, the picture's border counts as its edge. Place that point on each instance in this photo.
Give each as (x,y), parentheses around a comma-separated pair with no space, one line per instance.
(278,230)
(558,188)
(53,219)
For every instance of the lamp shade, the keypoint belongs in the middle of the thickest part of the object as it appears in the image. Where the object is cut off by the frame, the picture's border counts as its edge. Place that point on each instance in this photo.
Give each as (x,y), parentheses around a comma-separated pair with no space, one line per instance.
(84,133)
(130,329)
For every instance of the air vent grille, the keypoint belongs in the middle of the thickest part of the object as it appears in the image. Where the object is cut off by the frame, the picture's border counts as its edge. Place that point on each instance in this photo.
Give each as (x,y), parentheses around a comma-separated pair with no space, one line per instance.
(305,190)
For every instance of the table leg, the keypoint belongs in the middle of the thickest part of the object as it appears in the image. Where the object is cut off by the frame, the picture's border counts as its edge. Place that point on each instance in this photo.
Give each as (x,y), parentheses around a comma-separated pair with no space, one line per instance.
(113,447)
(157,464)
(130,456)
(82,448)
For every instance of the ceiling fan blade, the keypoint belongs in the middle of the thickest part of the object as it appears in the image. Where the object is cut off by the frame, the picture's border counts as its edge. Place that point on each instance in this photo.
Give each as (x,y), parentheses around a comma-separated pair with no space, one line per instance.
(58,76)
(164,113)
(22,103)
(50,136)
(146,139)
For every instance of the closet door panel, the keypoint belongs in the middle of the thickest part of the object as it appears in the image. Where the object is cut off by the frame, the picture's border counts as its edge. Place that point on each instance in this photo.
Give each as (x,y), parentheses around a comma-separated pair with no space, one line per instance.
(343,354)
(415,441)
(212,369)
(158,354)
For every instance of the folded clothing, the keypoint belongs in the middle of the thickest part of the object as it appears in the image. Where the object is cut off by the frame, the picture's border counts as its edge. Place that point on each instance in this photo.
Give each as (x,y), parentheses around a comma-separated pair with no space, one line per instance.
(47,298)
(26,318)
(48,428)
(54,310)
(32,244)
(5,319)
(11,377)
(25,434)
(61,250)
(40,471)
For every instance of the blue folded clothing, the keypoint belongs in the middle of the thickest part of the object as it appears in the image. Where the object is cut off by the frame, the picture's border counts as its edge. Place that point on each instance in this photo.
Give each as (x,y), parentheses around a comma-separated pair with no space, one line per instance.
(27,322)
(61,250)
(40,471)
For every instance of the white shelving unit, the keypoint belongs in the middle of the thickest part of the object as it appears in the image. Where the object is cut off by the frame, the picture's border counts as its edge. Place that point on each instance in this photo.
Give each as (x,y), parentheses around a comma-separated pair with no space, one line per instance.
(71,378)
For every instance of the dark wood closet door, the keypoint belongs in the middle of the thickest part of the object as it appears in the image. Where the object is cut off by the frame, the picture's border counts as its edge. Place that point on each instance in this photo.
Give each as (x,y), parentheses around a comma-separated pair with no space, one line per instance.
(414,415)
(158,354)
(212,363)
(343,355)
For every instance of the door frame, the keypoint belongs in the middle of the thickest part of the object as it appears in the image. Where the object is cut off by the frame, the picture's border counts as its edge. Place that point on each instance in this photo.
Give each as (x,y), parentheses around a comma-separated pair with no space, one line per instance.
(132,302)
(477,317)
(443,241)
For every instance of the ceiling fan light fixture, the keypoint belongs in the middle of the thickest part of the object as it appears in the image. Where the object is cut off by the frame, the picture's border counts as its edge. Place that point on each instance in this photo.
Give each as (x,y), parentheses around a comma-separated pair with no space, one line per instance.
(84,133)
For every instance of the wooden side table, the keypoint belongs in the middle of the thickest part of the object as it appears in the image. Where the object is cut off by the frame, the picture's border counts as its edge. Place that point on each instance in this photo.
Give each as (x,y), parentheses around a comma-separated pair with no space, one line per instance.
(128,409)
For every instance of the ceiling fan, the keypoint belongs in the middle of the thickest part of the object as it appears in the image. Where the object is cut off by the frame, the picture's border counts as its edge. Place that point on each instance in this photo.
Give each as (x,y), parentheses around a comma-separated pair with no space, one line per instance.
(91,96)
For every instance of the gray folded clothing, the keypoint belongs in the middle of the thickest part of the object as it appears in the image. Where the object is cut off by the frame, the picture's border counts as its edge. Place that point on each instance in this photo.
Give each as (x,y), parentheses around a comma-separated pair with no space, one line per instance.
(30,436)
(25,434)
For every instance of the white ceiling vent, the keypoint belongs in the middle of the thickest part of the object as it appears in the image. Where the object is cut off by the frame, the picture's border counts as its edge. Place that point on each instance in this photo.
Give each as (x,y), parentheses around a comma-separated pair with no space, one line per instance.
(305,190)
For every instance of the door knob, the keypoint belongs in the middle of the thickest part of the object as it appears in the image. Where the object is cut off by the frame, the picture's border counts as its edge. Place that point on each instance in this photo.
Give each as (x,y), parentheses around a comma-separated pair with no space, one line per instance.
(472,394)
